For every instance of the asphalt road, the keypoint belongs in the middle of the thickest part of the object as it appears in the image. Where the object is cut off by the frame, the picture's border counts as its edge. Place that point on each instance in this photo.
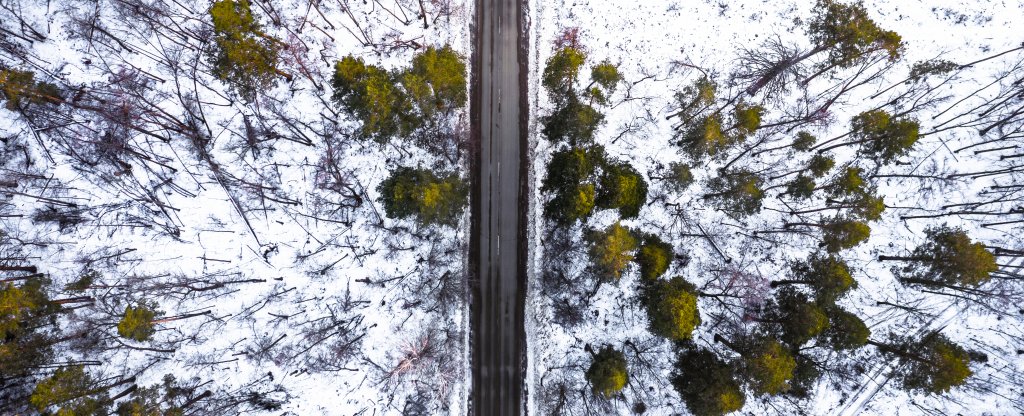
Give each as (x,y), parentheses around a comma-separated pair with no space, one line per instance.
(498,212)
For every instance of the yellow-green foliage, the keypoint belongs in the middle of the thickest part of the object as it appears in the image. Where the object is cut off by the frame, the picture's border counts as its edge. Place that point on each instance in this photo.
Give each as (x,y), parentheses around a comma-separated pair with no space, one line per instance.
(672,308)
(622,188)
(70,389)
(437,80)
(679,176)
(653,257)
(848,33)
(570,177)
(371,94)
(606,76)
(706,383)
(840,234)
(583,201)
(950,257)
(820,164)
(883,137)
(244,57)
(607,373)
(399,103)
(137,322)
(869,207)
(20,87)
(845,331)
(611,250)
(770,366)
(748,117)
(828,275)
(935,365)
(19,304)
(801,187)
(850,182)
(695,97)
(801,319)
(421,194)
(804,141)
(705,137)
(562,71)
(738,191)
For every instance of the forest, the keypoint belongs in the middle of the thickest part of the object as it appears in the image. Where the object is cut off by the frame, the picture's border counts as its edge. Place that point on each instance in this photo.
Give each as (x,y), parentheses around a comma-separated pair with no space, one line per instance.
(236,207)
(788,209)
(232,207)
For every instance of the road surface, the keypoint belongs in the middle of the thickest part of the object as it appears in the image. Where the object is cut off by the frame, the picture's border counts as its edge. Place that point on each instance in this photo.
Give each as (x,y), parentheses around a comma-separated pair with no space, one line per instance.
(498,212)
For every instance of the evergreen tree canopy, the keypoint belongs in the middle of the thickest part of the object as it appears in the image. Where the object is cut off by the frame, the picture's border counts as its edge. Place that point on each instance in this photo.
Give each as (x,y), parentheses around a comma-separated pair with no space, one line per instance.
(137,322)
(840,234)
(71,391)
(934,364)
(570,176)
(622,187)
(23,306)
(19,88)
(372,95)
(391,104)
(738,192)
(244,57)
(654,257)
(575,123)
(705,136)
(948,258)
(882,137)
(768,365)
(605,77)
(804,141)
(846,331)
(799,318)
(27,321)
(820,164)
(421,194)
(672,308)
(868,206)
(436,81)
(805,376)
(679,177)
(561,72)
(846,31)
(849,182)
(828,276)
(801,187)
(611,250)
(608,373)
(696,96)
(748,118)
(706,383)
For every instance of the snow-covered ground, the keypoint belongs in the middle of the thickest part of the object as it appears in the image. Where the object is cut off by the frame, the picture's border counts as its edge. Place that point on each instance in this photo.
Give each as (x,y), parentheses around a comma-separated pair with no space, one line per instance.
(657,45)
(325,308)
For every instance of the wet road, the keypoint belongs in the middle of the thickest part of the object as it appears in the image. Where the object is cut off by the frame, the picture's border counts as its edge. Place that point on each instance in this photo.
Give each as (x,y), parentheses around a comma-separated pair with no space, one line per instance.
(498,212)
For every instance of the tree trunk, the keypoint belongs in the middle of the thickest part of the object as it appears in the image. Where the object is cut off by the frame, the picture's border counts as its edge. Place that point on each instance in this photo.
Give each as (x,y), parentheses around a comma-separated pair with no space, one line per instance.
(721,339)
(180,317)
(29,269)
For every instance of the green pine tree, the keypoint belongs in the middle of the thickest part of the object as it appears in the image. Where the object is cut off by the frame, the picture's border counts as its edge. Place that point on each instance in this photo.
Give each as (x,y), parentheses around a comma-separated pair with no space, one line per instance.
(244,56)
(608,374)
(671,308)
(611,250)
(424,196)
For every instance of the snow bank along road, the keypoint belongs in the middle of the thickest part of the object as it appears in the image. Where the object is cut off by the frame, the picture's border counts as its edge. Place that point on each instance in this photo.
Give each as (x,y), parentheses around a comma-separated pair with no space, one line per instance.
(496,250)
